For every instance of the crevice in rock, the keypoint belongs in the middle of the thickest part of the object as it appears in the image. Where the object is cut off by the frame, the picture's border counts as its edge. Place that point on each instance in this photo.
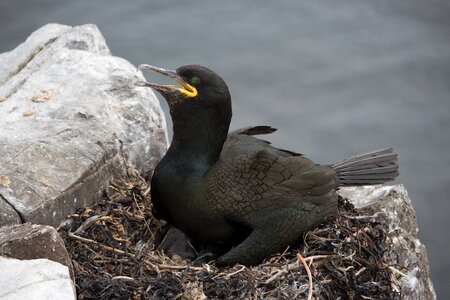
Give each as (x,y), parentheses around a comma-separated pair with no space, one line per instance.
(22,66)
(2,196)
(32,189)
(17,154)
(28,59)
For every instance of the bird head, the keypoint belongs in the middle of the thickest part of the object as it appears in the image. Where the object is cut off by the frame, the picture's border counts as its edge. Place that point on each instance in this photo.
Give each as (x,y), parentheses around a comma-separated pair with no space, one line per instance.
(200,107)
(197,85)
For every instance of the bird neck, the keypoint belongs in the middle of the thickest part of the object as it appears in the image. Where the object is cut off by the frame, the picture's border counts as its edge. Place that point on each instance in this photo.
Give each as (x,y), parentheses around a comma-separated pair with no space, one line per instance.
(199,135)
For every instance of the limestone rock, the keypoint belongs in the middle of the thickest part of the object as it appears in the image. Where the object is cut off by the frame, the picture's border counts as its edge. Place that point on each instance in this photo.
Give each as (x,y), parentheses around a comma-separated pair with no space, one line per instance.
(38,279)
(31,241)
(67,109)
(391,206)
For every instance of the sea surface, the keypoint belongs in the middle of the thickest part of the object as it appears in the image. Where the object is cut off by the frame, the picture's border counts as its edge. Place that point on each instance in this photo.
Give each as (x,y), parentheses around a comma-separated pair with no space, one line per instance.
(336,78)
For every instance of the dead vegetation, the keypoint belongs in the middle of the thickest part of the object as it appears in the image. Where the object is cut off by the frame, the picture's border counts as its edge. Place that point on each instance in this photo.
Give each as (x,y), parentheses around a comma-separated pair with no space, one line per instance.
(111,245)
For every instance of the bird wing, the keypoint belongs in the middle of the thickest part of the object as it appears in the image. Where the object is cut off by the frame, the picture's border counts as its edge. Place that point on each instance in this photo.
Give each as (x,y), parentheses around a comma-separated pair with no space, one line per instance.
(251,175)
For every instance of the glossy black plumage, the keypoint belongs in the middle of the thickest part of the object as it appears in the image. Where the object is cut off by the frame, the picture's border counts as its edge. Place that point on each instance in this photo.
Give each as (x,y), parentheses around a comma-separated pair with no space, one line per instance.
(237,189)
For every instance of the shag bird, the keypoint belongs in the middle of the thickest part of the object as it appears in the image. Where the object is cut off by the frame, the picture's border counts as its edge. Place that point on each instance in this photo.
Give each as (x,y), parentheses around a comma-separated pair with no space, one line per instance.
(235,189)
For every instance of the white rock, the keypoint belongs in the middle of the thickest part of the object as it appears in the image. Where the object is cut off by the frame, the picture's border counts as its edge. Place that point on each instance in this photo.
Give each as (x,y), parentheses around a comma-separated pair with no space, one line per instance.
(65,103)
(37,279)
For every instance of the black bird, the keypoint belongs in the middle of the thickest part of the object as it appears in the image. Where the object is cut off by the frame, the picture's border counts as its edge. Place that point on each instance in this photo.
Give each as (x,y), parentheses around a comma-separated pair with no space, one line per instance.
(235,189)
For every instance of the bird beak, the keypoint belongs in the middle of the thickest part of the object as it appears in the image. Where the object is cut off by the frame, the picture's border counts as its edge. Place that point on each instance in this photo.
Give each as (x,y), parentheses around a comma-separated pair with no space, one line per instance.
(186,89)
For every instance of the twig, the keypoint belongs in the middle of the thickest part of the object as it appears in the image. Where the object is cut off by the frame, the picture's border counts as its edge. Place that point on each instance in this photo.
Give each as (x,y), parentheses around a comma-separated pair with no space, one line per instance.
(277,274)
(89,241)
(394,270)
(230,274)
(374,216)
(160,266)
(308,271)
(169,267)
(123,278)
(88,223)
(293,265)
(360,271)
(313,257)
(145,220)
(236,272)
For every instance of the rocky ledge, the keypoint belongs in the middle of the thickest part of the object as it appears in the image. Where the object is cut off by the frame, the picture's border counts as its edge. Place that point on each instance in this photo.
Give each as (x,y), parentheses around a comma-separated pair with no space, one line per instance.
(70,119)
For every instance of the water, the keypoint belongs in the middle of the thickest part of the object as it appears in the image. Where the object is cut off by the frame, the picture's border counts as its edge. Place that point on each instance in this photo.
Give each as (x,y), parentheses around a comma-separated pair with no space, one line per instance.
(336,79)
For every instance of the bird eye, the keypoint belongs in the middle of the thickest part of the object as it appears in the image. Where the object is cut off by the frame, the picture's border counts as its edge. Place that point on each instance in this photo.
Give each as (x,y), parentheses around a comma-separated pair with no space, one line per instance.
(195,80)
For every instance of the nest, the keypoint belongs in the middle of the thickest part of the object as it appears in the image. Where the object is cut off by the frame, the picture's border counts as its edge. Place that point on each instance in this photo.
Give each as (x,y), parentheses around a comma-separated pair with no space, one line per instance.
(112,248)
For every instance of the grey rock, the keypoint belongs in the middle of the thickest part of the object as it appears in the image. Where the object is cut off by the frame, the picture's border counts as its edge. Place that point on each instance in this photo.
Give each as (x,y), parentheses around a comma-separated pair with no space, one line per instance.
(31,241)
(38,279)
(7,214)
(407,256)
(176,243)
(67,109)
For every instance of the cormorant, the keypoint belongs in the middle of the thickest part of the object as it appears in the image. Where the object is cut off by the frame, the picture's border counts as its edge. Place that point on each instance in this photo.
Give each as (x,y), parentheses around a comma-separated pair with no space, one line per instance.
(235,189)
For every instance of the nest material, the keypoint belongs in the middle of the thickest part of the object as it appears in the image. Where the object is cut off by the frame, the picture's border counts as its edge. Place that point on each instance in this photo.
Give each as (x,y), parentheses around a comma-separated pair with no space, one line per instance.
(112,248)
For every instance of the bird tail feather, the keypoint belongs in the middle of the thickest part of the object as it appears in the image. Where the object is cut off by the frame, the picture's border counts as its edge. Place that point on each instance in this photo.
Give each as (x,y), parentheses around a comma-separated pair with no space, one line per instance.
(375,167)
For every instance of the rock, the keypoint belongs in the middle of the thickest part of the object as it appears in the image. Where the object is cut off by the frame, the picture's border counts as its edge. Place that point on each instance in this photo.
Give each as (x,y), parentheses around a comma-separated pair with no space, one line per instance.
(7,214)
(176,243)
(34,279)
(31,241)
(68,108)
(407,256)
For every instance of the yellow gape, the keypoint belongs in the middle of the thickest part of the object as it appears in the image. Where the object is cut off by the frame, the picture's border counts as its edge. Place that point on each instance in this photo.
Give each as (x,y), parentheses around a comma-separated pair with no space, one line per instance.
(187,89)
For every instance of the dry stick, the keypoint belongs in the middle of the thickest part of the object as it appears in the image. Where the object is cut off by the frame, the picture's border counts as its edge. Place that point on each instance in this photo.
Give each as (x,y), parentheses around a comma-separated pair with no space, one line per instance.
(294,264)
(308,271)
(169,267)
(360,271)
(88,223)
(273,277)
(89,241)
(394,270)
(134,195)
(123,278)
(313,257)
(145,221)
(230,274)
(236,272)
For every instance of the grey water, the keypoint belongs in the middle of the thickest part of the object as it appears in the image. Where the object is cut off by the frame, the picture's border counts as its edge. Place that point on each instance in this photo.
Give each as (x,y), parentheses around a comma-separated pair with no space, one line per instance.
(336,78)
